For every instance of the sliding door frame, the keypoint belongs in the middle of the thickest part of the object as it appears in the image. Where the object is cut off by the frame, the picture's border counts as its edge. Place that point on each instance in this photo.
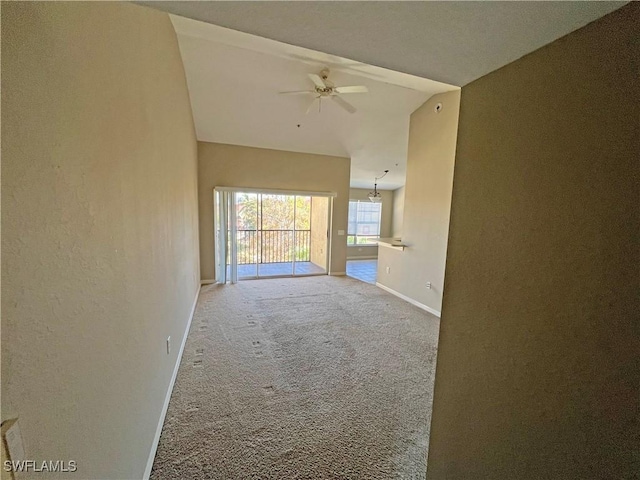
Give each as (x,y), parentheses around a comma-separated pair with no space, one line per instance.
(227,197)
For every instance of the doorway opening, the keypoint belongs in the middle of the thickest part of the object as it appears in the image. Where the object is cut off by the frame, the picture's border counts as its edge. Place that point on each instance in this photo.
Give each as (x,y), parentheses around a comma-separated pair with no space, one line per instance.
(266,234)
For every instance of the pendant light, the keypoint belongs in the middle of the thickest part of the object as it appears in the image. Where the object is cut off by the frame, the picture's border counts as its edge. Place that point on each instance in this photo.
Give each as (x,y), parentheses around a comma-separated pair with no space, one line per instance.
(376,196)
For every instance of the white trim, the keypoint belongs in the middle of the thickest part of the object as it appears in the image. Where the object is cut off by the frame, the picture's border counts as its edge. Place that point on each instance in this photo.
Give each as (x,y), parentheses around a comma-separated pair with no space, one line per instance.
(208,281)
(432,311)
(163,414)
(363,257)
(337,274)
(276,191)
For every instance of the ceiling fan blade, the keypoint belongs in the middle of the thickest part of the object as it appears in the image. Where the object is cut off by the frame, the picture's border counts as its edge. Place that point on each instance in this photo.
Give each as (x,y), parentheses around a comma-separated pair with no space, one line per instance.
(317,80)
(352,89)
(299,92)
(344,104)
(313,102)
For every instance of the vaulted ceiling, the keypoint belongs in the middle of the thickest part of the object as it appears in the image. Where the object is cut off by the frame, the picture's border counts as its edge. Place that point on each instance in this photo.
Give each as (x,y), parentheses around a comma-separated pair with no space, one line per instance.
(404,52)
(234,81)
(451,42)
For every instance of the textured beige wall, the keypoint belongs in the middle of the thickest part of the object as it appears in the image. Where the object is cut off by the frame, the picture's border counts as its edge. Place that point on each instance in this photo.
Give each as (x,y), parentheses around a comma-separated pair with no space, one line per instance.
(235,166)
(319,230)
(427,202)
(537,373)
(398,213)
(99,228)
(356,251)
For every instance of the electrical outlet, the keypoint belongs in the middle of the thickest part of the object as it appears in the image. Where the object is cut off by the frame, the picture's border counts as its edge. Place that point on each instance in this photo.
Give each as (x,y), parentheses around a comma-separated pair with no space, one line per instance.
(168,344)
(388,269)
(428,285)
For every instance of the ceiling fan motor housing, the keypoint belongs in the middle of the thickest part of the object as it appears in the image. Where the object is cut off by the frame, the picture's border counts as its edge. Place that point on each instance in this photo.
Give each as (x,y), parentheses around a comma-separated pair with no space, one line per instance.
(329,88)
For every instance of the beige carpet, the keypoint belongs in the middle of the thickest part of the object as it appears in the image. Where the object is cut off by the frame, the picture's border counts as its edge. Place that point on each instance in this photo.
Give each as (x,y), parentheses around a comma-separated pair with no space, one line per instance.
(301,378)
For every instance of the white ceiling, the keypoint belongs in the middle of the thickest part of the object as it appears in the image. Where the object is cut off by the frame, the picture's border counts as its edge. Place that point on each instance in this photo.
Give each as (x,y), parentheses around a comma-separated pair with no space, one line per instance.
(234,79)
(452,42)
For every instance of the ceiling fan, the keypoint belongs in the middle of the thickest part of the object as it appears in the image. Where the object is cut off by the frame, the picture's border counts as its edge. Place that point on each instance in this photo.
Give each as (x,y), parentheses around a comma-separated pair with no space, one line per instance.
(325,88)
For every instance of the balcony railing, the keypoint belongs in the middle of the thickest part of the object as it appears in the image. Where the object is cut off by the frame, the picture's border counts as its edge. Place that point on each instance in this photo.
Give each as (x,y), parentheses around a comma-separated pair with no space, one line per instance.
(273,246)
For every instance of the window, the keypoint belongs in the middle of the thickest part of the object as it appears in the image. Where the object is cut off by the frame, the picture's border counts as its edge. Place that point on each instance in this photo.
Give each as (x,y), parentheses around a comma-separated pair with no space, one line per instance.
(364,222)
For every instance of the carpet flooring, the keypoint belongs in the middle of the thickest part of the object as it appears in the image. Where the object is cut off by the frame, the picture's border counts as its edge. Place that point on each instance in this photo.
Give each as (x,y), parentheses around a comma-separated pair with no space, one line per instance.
(301,378)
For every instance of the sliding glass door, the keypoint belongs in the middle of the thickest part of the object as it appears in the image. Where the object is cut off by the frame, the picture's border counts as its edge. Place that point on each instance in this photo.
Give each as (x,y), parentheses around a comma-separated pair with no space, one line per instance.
(265,234)
(277,237)
(247,237)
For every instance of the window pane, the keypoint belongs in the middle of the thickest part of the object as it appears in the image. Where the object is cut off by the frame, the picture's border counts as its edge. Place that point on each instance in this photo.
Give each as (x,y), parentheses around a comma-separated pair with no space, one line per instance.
(303,213)
(277,212)
(246,211)
(364,221)
(353,209)
(365,240)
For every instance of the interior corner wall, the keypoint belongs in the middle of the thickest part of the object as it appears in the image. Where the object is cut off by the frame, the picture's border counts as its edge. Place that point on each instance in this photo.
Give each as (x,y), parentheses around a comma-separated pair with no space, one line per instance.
(537,373)
(398,213)
(427,202)
(99,229)
(222,165)
(386,220)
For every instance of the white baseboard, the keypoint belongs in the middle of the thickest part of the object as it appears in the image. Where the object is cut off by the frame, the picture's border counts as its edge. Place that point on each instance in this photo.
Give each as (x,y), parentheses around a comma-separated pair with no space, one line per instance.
(364,257)
(337,274)
(207,281)
(163,414)
(432,311)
